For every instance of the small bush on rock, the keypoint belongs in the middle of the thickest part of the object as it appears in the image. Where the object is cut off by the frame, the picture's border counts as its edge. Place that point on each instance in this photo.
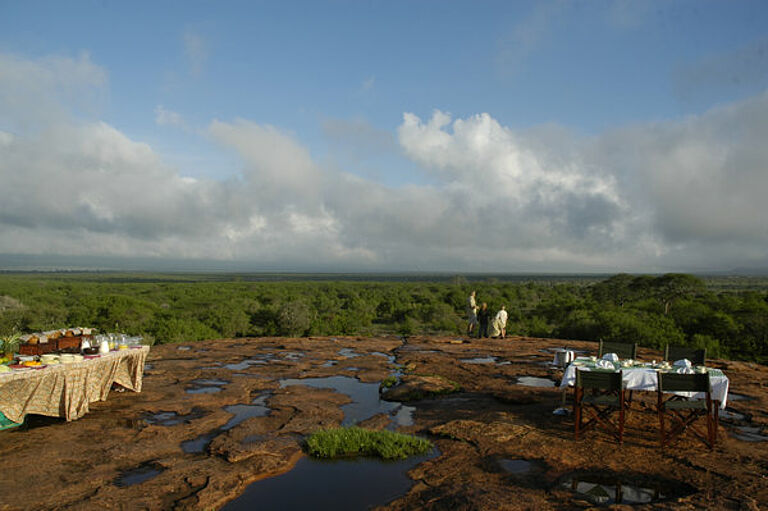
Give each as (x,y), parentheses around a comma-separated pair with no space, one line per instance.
(354,441)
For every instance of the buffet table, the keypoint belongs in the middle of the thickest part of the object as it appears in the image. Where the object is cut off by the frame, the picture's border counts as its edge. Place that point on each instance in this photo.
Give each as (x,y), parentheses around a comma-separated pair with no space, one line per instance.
(67,390)
(645,377)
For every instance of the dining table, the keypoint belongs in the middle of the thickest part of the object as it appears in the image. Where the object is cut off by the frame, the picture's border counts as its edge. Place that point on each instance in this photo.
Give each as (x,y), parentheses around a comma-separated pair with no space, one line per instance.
(643,376)
(66,390)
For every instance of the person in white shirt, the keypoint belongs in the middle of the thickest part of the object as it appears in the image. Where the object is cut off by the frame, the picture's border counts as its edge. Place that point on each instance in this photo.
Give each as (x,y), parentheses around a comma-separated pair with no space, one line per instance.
(471,313)
(500,323)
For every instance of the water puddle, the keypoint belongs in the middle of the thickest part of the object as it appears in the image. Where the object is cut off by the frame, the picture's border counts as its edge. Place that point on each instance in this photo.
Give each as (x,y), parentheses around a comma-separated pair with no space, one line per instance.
(243,412)
(341,485)
(730,415)
(365,396)
(293,356)
(198,445)
(352,369)
(732,396)
(203,390)
(257,408)
(515,466)
(749,434)
(479,360)
(184,348)
(329,363)
(533,381)
(172,418)
(608,489)
(349,353)
(390,358)
(209,381)
(137,475)
(402,417)
(245,364)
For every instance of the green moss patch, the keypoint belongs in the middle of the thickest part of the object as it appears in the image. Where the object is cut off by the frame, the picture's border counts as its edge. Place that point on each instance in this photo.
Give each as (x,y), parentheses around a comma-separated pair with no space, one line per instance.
(354,441)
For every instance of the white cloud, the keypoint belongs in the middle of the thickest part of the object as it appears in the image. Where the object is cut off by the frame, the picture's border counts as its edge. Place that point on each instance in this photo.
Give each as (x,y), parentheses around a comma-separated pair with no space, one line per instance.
(165,117)
(669,195)
(196,50)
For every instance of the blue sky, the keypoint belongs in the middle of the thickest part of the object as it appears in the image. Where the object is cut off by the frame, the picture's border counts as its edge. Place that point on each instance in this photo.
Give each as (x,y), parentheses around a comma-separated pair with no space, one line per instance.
(565,111)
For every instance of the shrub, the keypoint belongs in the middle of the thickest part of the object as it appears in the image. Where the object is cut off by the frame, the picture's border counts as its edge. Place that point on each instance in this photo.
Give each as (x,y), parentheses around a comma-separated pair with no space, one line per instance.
(354,441)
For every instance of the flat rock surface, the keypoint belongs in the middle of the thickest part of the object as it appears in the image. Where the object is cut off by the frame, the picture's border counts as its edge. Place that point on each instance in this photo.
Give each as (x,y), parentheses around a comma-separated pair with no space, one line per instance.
(214,417)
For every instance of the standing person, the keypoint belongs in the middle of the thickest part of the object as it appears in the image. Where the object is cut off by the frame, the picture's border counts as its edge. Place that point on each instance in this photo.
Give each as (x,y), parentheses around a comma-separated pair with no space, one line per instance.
(471,313)
(483,318)
(500,323)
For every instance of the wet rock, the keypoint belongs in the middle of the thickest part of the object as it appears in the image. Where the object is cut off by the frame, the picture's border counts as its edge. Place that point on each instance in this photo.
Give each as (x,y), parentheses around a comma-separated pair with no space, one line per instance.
(414,387)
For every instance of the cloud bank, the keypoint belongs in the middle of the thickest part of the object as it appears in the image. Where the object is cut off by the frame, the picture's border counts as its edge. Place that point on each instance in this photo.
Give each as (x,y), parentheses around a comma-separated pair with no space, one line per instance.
(683,194)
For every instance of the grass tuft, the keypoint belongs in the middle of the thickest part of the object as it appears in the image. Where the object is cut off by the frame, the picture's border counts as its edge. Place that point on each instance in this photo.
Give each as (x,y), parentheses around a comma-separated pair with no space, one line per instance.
(354,441)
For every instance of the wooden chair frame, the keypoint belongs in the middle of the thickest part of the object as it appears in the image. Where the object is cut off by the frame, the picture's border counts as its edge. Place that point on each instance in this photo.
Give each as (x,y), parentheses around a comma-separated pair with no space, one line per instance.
(684,412)
(607,397)
(622,349)
(696,356)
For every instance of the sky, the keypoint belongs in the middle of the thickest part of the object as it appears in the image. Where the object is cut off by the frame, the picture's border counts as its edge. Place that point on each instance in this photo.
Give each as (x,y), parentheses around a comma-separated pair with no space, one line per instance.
(447,136)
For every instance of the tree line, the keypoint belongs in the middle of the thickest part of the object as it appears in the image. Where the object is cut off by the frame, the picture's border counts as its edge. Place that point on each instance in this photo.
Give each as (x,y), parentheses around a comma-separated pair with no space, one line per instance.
(729,321)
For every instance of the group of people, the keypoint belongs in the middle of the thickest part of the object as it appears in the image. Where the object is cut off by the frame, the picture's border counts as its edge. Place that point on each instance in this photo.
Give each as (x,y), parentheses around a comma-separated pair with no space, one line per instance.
(480,317)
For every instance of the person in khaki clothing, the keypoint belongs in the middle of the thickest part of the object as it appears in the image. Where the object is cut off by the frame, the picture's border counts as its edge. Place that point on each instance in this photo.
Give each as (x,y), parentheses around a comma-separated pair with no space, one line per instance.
(500,323)
(471,313)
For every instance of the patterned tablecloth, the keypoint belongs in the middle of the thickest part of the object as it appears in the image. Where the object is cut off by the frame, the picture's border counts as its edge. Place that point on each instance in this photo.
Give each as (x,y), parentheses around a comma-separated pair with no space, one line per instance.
(67,390)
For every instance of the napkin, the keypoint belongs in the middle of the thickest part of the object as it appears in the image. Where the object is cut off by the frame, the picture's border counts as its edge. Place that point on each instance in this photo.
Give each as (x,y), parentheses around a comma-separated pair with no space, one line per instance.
(612,357)
(682,363)
(605,364)
(684,370)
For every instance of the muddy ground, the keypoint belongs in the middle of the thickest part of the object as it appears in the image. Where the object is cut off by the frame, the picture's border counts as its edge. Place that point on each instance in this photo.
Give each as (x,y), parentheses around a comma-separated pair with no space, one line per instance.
(176,446)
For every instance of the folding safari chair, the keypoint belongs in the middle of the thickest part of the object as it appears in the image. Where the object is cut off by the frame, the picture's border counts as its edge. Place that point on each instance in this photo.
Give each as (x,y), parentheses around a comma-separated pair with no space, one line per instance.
(605,397)
(622,349)
(676,403)
(695,355)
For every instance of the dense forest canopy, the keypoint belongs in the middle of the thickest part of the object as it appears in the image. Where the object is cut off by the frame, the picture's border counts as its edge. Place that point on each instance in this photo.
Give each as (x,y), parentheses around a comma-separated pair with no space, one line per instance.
(728,315)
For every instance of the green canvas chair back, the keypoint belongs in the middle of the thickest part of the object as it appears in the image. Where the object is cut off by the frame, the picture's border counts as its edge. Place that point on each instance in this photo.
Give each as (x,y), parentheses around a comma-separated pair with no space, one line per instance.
(673,382)
(696,356)
(597,380)
(622,349)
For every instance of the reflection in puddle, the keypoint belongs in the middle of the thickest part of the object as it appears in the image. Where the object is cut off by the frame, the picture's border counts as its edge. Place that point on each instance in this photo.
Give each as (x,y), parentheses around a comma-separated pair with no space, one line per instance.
(245,364)
(515,466)
(340,485)
(479,360)
(137,476)
(329,363)
(365,396)
(730,415)
(532,381)
(203,390)
(349,353)
(732,396)
(172,418)
(209,381)
(403,416)
(198,444)
(243,412)
(352,369)
(184,348)
(390,358)
(292,356)
(749,434)
(606,490)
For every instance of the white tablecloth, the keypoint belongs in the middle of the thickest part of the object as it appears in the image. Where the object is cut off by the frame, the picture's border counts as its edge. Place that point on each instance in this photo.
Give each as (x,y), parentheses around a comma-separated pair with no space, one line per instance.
(645,378)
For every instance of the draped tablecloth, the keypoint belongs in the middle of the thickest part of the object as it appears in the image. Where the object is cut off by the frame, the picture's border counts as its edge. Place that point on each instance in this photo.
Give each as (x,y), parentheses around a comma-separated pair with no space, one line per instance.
(646,378)
(67,390)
